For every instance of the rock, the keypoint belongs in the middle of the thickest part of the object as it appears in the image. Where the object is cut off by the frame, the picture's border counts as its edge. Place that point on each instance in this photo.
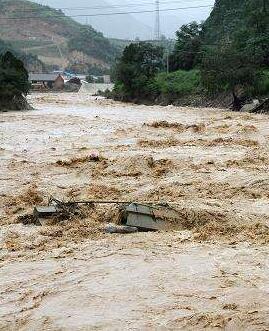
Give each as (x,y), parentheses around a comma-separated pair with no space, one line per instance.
(113,228)
(262,108)
(248,107)
(71,87)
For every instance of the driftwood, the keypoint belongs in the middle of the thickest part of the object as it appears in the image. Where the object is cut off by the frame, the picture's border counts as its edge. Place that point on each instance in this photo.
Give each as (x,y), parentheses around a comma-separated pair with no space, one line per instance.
(115,228)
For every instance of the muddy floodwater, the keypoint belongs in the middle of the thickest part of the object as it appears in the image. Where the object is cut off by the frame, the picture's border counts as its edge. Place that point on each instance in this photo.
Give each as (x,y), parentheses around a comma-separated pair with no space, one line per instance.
(208,270)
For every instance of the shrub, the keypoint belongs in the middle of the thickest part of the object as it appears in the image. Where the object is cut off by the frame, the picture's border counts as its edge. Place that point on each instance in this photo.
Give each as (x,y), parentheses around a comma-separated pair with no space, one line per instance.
(177,84)
(263,84)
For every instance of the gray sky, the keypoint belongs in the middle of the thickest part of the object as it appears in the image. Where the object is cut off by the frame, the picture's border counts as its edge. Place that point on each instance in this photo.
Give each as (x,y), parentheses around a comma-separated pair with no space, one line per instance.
(134,25)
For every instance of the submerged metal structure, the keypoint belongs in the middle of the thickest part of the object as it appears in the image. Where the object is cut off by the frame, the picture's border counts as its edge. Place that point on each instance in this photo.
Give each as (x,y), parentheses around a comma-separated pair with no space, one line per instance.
(142,217)
(133,214)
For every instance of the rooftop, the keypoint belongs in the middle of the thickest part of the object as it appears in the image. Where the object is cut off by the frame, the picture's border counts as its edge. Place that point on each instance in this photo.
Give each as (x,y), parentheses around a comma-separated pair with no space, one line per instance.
(43,77)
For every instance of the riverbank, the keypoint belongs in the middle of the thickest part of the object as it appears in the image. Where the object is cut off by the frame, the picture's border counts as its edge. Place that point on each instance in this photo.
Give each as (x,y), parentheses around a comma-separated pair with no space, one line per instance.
(223,101)
(208,271)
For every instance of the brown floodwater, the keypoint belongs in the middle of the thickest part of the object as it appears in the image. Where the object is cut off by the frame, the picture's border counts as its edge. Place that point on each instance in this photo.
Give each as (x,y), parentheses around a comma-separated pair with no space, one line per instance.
(208,271)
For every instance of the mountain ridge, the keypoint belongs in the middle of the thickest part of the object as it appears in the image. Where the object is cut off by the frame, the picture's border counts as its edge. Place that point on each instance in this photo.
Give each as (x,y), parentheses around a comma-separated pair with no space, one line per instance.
(55,38)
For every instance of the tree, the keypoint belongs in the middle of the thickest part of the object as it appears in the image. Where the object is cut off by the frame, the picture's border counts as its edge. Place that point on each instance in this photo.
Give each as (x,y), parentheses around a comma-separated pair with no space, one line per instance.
(236,49)
(225,69)
(245,23)
(253,39)
(14,85)
(137,67)
(187,48)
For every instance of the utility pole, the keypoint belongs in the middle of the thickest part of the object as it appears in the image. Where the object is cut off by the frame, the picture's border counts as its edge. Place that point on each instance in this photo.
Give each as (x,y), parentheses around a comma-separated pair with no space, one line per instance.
(167,62)
(157,20)
(264,6)
(23,24)
(168,52)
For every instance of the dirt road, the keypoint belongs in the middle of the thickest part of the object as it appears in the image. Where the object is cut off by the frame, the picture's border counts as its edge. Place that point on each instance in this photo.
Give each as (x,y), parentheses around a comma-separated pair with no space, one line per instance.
(210,270)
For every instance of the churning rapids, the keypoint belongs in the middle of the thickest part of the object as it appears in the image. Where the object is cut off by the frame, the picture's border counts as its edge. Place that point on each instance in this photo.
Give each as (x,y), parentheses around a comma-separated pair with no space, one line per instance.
(210,270)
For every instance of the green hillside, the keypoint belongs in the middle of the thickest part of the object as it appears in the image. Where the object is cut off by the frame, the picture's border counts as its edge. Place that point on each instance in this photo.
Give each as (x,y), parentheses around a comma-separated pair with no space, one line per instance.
(244,23)
(31,62)
(53,37)
(229,16)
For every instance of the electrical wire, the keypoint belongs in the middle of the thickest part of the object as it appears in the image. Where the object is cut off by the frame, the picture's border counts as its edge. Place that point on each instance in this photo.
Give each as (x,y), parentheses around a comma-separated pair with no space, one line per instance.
(114,6)
(109,14)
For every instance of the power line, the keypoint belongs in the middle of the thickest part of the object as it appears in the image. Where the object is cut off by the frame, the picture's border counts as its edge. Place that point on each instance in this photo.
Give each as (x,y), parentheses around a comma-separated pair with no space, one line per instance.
(112,6)
(109,14)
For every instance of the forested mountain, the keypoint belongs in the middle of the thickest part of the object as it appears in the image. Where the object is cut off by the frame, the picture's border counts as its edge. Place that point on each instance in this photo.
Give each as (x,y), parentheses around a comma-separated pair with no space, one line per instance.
(235,39)
(53,37)
(242,22)
(111,26)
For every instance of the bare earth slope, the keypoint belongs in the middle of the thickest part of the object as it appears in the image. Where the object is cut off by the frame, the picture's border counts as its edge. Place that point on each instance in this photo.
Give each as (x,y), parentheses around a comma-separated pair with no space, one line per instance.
(51,35)
(209,270)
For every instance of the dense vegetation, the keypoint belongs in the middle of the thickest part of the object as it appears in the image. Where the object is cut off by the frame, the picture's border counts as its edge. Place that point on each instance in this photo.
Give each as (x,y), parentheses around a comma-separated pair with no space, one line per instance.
(31,62)
(236,46)
(186,54)
(228,55)
(14,84)
(92,43)
(136,70)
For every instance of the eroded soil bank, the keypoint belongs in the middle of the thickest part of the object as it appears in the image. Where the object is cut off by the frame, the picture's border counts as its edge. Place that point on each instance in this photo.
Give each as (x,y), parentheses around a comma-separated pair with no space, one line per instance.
(209,270)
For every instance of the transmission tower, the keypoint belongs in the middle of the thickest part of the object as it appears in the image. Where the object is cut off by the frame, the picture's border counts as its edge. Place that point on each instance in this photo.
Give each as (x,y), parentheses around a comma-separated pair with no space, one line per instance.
(157,21)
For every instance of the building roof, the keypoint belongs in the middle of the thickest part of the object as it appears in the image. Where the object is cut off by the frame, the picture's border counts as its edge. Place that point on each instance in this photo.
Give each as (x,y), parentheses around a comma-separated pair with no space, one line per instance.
(43,77)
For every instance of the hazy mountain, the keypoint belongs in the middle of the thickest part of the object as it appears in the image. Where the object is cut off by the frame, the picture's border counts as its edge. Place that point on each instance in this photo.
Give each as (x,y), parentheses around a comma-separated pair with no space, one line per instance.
(133,25)
(57,40)
(121,26)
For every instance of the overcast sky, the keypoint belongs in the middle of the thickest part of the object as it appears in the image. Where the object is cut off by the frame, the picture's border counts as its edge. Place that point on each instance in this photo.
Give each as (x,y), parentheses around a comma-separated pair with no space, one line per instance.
(135,25)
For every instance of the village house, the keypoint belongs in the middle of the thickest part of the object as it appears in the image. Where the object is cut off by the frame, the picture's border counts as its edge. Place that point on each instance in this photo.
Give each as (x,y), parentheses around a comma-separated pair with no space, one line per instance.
(46,81)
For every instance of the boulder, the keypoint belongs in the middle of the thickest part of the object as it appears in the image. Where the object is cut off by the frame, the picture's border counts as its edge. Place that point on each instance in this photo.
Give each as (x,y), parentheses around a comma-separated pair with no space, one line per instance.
(249,107)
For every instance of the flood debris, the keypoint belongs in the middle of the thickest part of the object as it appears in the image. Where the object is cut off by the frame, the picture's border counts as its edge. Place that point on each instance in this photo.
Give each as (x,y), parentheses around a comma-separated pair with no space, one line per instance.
(43,215)
(166,124)
(142,217)
(93,156)
(123,229)
(132,216)
(200,127)
(55,212)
